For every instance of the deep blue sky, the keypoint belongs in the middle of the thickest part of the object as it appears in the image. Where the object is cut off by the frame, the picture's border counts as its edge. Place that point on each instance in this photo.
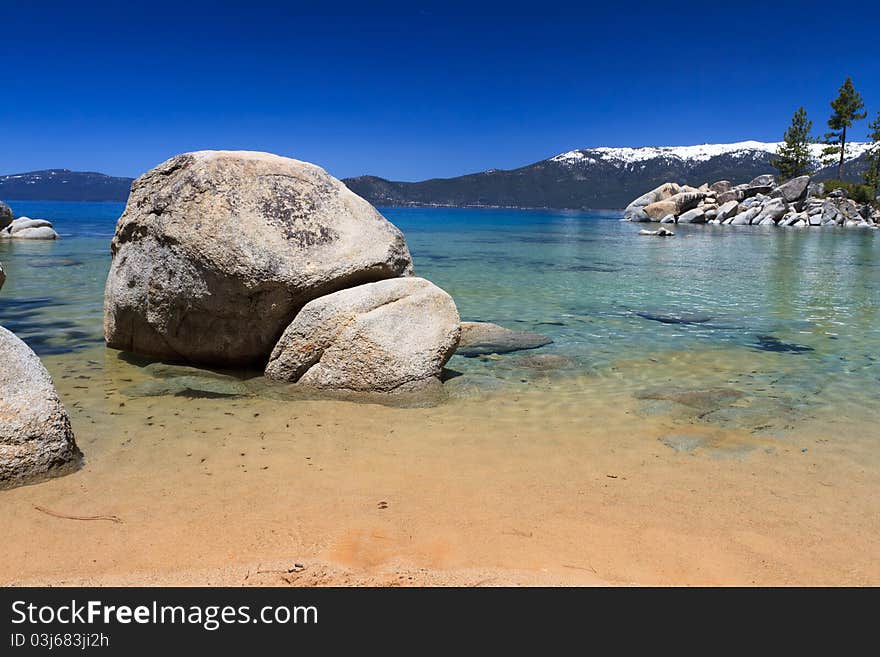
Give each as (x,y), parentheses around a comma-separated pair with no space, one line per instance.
(415,90)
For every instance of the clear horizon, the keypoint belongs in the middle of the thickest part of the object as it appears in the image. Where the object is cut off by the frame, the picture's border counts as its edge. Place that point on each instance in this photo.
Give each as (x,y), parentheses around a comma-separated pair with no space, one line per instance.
(410,94)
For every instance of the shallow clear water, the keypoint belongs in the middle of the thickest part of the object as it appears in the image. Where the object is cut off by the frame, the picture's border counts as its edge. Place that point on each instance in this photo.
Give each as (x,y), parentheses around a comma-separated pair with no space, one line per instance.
(788,317)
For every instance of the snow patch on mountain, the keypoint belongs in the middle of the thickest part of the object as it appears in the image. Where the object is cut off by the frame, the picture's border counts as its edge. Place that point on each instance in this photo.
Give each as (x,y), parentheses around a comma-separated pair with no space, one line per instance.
(698,153)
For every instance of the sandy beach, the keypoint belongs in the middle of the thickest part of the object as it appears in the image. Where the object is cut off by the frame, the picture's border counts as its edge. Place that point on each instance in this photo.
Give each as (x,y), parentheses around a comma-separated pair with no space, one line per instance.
(544,487)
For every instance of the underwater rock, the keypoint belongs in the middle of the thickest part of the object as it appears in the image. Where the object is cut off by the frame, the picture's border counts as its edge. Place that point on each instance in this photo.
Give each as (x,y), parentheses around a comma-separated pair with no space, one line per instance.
(772,343)
(479,338)
(674,318)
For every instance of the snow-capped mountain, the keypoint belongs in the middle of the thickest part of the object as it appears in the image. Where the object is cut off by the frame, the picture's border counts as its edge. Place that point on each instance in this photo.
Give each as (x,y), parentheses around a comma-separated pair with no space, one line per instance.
(602,177)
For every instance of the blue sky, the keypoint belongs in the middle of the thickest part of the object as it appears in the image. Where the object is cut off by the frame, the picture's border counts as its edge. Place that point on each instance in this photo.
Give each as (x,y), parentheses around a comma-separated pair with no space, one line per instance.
(415,90)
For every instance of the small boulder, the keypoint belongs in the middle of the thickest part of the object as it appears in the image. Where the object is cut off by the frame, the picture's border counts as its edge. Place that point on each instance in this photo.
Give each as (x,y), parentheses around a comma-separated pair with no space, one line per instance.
(668,219)
(695,216)
(636,214)
(727,210)
(745,218)
(735,195)
(793,191)
(36,439)
(2,276)
(392,335)
(660,232)
(766,180)
(721,186)
(772,209)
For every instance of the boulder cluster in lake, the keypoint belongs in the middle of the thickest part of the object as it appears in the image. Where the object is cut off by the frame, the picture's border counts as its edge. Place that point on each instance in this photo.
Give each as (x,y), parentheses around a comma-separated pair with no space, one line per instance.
(247,259)
(761,202)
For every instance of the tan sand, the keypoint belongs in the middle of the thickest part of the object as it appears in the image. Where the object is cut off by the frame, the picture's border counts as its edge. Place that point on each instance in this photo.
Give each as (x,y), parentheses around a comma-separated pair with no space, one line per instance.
(562,485)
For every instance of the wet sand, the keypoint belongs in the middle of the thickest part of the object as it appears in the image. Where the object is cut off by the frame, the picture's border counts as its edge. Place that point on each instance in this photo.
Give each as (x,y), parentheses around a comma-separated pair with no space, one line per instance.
(562,484)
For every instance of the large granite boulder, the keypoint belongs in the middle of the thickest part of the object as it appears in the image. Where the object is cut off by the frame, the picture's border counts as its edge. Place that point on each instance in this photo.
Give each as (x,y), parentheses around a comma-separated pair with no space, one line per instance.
(6,216)
(217,251)
(478,338)
(793,191)
(36,440)
(676,204)
(393,335)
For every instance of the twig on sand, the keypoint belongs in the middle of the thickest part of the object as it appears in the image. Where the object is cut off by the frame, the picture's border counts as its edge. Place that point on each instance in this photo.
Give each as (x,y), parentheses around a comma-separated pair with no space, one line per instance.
(488,580)
(67,517)
(568,565)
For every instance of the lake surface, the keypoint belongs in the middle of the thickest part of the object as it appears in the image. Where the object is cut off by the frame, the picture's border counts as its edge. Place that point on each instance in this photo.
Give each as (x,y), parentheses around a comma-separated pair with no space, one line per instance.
(792,310)
(711,418)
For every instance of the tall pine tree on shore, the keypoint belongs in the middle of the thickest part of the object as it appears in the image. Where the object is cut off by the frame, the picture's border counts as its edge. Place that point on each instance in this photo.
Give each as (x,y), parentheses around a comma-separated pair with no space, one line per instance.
(872,175)
(845,110)
(793,156)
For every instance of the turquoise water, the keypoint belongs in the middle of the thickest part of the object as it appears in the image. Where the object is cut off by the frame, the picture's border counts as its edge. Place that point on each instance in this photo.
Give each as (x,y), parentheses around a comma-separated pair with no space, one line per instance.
(789,315)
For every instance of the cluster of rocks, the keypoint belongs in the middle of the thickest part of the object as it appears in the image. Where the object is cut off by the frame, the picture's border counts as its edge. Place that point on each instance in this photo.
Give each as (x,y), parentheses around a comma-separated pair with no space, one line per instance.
(25,228)
(239,259)
(761,202)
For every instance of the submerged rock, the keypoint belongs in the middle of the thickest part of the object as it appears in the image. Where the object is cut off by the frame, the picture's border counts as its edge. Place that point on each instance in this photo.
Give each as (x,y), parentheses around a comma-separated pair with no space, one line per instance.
(36,439)
(380,337)
(472,386)
(217,251)
(702,399)
(2,276)
(674,318)
(544,362)
(187,386)
(772,343)
(479,338)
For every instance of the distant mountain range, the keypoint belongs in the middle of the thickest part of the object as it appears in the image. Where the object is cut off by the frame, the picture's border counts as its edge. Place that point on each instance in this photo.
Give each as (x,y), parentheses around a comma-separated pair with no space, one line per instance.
(63,185)
(592,178)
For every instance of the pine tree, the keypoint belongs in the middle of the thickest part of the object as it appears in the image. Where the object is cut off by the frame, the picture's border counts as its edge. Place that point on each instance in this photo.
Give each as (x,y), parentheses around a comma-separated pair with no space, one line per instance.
(872,175)
(793,156)
(846,110)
